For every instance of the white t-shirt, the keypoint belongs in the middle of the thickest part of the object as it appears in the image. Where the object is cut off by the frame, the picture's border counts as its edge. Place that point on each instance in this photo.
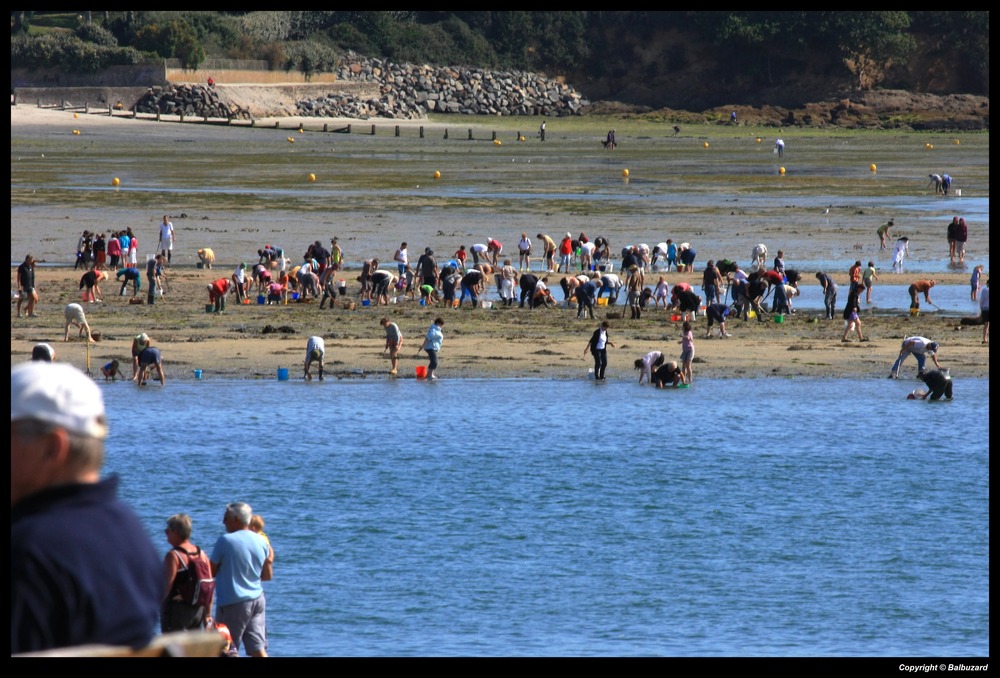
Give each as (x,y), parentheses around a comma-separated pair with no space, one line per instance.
(524,244)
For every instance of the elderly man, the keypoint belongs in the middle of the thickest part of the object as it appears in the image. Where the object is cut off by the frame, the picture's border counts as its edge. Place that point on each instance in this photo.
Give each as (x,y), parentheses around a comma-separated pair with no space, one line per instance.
(82,567)
(241,560)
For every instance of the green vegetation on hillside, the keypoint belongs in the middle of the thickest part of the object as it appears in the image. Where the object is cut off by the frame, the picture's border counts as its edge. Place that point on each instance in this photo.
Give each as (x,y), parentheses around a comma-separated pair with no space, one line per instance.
(735,51)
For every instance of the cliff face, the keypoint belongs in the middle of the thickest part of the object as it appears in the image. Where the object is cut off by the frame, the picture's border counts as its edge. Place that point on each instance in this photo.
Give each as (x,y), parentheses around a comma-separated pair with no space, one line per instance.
(665,69)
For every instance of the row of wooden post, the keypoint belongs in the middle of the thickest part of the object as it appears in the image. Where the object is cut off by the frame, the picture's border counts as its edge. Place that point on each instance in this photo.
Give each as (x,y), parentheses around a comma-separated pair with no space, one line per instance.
(277,123)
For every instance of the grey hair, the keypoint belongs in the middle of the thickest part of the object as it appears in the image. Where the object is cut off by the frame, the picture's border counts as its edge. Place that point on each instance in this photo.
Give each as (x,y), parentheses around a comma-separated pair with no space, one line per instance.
(86,453)
(242,512)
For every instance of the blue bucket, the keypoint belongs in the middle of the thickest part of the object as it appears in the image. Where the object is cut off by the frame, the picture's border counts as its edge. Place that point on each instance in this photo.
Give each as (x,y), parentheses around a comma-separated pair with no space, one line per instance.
(197,374)
(282,374)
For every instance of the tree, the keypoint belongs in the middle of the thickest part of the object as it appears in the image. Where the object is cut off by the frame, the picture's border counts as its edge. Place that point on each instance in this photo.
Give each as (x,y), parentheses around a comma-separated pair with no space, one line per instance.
(871,42)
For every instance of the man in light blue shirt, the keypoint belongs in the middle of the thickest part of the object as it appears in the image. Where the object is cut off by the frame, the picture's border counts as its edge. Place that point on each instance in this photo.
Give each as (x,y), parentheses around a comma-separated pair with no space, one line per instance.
(238,559)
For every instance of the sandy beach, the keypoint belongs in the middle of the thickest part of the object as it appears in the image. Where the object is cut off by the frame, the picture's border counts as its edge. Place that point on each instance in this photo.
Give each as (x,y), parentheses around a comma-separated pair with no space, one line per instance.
(58,191)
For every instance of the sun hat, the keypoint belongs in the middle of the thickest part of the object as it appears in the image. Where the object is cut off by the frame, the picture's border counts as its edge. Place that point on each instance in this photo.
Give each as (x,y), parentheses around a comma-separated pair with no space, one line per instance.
(57,394)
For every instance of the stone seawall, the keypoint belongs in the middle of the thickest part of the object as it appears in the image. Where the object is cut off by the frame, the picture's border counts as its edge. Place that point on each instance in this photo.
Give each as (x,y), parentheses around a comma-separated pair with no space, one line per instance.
(407,91)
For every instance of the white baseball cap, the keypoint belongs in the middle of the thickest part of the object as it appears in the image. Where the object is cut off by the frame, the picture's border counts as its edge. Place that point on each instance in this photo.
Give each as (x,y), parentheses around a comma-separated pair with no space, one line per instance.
(58,394)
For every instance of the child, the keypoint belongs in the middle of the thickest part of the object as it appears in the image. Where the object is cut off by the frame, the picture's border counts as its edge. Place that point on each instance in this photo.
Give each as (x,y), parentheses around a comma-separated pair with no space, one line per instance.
(660,293)
(257,525)
(428,295)
(111,370)
(977,273)
(868,279)
(460,255)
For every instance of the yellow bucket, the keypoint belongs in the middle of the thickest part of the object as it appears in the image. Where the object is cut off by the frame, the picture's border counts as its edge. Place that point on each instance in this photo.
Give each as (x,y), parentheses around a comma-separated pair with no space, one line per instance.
(751,315)
(603,301)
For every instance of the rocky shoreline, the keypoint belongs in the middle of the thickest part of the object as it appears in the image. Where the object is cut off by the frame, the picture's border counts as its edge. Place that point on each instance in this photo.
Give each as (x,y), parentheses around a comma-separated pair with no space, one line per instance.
(376,89)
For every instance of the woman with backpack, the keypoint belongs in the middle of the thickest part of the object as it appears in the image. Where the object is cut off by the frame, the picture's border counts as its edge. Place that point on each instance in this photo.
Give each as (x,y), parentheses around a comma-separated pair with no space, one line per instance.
(187,602)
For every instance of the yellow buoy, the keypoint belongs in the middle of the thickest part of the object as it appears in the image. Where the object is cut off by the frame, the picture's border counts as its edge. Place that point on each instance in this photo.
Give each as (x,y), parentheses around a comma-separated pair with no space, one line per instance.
(312,177)
(758,140)
(291,140)
(301,131)
(928,146)
(76,115)
(76,131)
(872,167)
(521,138)
(624,172)
(116,181)
(437,175)
(781,170)
(957,142)
(706,144)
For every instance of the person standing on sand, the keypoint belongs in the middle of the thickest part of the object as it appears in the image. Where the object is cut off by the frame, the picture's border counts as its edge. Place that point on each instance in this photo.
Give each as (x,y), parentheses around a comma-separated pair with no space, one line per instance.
(852,317)
(548,252)
(884,235)
(961,237)
(432,344)
(779,148)
(26,286)
(524,253)
(952,239)
(868,279)
(975,281)
(166,239)
(598,347)
(901,252)
(687,352)
(393,342)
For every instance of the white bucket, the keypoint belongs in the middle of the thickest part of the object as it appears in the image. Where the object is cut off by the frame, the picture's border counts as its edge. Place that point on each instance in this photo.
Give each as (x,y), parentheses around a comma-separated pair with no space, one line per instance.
(958,192)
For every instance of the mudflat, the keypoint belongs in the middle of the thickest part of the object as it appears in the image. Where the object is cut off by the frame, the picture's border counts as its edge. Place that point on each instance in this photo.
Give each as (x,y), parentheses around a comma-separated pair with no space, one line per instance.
(235,189)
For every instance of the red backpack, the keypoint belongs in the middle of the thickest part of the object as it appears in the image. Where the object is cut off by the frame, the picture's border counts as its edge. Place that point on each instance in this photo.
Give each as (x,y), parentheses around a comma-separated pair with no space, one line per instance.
(198,587)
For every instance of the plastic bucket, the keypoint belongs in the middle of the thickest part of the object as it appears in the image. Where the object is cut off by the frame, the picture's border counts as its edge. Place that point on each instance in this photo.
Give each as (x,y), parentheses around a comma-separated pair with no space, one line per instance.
(282,374)
(603,301)
(209,308)
(260,299)
(366,302)
(914,312)
(779,319)
(675,317)
(421,371)
(295,296)
(751,315)
(197,374)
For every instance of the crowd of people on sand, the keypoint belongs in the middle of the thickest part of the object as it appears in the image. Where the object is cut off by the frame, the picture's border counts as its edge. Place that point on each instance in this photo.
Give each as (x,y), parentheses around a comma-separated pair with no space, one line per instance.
(84,571)
(583,268)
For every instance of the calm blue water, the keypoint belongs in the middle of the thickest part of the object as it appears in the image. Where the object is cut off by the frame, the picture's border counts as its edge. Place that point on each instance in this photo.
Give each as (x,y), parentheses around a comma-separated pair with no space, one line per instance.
(768,517)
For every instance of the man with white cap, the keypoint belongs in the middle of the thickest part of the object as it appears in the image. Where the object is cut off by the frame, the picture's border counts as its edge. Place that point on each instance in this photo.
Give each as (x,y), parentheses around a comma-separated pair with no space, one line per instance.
(83,568)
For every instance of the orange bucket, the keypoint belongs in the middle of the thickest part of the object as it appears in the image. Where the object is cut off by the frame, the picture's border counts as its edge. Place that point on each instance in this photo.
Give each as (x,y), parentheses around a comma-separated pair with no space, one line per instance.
(421,371)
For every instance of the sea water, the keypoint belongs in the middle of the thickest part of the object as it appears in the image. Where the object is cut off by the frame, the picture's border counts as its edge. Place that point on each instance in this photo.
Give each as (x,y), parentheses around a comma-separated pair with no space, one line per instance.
(761,517)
